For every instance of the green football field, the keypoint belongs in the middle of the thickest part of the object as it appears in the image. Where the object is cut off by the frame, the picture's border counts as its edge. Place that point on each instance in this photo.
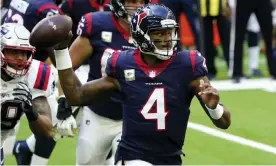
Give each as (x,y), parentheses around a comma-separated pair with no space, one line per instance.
(253,119)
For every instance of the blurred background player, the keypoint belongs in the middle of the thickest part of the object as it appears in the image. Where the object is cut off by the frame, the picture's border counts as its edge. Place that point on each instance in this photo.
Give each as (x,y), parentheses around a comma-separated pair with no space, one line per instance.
(215,11)
(29,13)
(76,9)
(253,38)
(25,85)
(189,7)
(150,116)
(242,12)
(100,33)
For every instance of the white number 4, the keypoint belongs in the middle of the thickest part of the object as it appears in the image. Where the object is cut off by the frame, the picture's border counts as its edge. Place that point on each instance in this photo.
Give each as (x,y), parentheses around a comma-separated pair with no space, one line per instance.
(157,97)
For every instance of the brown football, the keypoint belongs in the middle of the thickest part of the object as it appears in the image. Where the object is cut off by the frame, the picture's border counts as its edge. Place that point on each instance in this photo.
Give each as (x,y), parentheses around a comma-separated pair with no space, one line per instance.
(50,31)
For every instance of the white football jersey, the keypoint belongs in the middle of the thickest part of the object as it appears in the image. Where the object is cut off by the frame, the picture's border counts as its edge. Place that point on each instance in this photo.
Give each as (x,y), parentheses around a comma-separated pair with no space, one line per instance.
(40,80)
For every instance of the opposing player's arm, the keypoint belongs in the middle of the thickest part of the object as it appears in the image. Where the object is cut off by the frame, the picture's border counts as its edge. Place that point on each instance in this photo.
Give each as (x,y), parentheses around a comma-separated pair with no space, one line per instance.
(43,123)
(207,95)
(41,79)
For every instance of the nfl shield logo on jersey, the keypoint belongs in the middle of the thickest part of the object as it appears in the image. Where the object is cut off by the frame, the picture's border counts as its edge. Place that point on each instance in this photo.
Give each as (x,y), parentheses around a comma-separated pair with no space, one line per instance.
(129,74)
(152,74)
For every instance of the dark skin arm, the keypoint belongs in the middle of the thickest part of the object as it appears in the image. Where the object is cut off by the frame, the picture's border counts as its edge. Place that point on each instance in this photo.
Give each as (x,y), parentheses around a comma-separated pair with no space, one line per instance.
(92,92)
(43,124)
(79,51)
(207,95)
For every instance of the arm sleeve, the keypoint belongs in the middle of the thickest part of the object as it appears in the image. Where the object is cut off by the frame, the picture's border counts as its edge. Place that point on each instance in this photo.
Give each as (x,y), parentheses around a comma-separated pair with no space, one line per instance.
(112,65)
(198,64)
(41,79)
(85,25)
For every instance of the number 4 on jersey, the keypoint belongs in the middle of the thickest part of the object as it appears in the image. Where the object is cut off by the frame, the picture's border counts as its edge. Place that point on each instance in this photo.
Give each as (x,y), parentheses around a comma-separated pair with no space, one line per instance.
(157,97)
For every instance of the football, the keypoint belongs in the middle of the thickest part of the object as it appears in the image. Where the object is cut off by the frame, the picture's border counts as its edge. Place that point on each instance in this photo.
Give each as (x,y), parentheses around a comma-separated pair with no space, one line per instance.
(50,31)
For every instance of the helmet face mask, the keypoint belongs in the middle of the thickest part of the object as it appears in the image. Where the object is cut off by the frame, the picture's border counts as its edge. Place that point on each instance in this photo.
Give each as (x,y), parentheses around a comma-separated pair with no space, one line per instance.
(126,8)
(16,52)
(154,31)
(163,40)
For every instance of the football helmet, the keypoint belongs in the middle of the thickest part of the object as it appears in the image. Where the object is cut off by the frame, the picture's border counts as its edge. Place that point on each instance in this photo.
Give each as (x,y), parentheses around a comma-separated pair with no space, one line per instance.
(150,18)
(119,8)
(15,37)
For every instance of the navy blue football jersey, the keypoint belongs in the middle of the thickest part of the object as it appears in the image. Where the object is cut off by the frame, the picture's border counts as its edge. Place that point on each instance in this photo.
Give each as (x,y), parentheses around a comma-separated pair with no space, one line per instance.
(29,13)
(105,35)
(77,8)
(156,104)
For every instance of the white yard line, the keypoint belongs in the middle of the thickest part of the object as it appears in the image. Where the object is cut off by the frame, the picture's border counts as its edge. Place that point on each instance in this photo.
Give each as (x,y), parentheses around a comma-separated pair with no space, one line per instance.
(266,84)
(232,138)
(246,84)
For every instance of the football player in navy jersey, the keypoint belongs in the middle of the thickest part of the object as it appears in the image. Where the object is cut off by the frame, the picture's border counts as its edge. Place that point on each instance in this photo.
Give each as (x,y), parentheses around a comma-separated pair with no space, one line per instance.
(77,8)
(156,84)
(100,33)
(35,150)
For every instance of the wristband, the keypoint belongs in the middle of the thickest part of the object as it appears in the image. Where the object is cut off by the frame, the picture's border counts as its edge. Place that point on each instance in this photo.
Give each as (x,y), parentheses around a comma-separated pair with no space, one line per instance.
(63,60)
(217,112)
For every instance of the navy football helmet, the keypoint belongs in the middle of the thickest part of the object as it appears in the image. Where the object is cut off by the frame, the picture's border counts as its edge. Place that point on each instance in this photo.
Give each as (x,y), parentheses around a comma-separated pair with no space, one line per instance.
(150,18)
(119,8)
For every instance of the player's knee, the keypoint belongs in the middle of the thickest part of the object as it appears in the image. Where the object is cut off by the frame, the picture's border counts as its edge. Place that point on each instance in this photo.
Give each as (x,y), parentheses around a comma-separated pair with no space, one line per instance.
(44,146)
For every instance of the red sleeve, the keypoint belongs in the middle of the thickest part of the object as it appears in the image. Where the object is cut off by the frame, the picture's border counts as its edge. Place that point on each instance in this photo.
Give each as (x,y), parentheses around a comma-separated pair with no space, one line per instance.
(111,64)
(48,10)
(193,59)
(198,64)
(43,76)
(85,25)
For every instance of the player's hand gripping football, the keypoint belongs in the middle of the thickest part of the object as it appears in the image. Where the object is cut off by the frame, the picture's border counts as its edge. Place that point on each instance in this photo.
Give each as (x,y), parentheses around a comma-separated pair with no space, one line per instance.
(64,44)
(209,95)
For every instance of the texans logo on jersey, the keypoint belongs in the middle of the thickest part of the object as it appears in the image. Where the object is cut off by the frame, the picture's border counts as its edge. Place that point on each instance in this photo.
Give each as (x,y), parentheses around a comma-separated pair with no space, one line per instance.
(137,19)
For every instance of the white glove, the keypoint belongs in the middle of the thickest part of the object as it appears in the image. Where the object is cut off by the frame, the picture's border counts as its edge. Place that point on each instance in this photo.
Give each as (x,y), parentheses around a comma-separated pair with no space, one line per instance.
(66,127)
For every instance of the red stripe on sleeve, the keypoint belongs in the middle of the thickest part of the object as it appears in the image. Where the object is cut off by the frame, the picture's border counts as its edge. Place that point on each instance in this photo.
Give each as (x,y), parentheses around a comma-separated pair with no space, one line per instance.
(114,60)
(39,75)
(48,6)
(88,18)
(70,4)
(193,59)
